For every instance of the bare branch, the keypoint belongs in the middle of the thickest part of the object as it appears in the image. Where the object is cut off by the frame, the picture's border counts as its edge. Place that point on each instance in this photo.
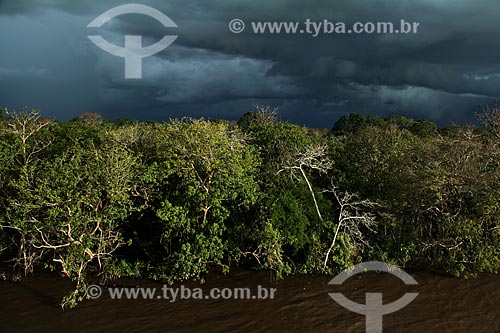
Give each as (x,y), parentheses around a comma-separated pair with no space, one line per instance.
(352,216)
(314,157)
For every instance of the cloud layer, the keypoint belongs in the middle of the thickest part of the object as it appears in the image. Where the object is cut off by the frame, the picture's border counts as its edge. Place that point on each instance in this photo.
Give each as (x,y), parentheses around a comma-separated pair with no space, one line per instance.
(442,73)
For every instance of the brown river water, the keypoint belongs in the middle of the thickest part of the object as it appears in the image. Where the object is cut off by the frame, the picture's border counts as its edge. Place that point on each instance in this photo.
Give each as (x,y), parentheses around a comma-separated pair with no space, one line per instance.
(301,304)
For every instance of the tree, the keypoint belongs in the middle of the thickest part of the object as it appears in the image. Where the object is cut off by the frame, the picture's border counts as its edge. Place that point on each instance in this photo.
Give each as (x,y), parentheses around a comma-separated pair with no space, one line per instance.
(315,158)
(70,209)
(262,114)
(25,126)
(401,121)
(23,141)
(91,118)
(489,118)
(351,123)
(352,217)
(424,128)
(206,173)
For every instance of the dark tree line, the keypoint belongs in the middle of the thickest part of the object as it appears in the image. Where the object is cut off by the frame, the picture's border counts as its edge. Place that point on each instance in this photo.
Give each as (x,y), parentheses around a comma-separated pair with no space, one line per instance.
(97,199)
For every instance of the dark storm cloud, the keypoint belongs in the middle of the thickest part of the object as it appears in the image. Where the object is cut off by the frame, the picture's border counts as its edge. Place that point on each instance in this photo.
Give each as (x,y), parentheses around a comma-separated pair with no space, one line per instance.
(22,7)
(443,73)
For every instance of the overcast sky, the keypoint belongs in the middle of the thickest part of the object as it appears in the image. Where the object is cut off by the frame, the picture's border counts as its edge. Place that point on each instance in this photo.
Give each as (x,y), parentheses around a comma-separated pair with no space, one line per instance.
(443,73)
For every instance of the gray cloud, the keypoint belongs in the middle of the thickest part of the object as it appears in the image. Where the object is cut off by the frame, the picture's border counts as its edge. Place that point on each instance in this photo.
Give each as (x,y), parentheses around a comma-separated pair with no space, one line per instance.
(442,73)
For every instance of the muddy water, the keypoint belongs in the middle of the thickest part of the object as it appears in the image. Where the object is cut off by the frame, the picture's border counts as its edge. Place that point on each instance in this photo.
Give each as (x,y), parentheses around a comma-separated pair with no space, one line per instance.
(301,304)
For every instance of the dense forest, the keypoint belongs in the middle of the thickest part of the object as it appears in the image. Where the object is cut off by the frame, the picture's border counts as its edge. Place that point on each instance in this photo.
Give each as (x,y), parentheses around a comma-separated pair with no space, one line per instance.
(94,199)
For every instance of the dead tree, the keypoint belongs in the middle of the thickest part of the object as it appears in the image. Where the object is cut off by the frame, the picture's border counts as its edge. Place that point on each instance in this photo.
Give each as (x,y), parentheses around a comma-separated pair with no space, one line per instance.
(352,216)
(315,158)
(24,125)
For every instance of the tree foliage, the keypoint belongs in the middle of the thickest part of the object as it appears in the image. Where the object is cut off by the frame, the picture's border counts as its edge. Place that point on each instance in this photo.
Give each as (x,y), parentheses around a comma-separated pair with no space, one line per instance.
(96,200)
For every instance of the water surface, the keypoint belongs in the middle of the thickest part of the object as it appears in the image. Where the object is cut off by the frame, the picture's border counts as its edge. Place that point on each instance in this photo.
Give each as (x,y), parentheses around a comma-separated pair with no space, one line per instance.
(301,304)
